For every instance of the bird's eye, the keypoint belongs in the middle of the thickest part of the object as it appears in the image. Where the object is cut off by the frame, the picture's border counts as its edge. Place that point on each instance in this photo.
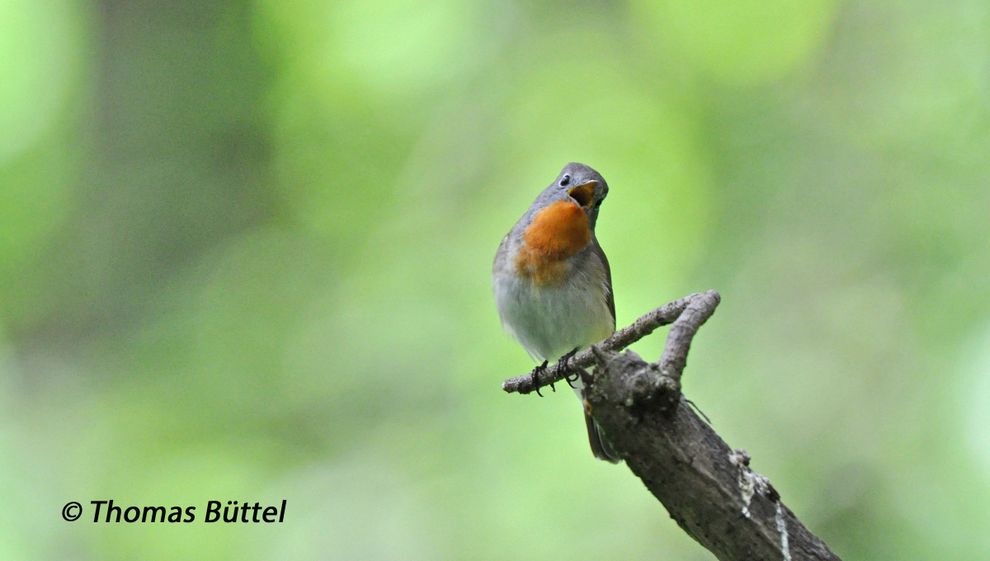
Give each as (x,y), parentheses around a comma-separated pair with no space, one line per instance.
(565,181)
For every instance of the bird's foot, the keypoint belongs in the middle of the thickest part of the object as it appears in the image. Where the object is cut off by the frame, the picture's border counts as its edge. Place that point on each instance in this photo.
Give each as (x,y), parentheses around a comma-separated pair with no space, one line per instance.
(534,375)
(564,365)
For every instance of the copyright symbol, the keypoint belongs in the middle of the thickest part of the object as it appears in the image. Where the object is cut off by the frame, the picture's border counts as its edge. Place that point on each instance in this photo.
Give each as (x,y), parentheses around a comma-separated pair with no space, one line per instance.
(71,511)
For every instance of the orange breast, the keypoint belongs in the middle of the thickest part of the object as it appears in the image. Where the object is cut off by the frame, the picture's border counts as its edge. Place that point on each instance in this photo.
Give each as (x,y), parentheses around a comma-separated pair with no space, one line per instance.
(557,232)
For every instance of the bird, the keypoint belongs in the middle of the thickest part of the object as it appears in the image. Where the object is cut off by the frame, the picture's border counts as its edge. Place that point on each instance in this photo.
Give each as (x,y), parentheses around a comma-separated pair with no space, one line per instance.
(552,281)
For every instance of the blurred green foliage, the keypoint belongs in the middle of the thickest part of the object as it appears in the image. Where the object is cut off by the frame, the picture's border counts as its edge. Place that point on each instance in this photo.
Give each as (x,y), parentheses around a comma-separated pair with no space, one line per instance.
(245,252)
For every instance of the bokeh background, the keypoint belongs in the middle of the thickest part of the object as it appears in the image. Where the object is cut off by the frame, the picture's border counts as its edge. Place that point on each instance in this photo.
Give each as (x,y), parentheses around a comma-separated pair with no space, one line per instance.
(245,251)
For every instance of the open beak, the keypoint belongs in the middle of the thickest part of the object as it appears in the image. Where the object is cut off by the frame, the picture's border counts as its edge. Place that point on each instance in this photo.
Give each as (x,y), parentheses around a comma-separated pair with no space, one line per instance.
(584,193)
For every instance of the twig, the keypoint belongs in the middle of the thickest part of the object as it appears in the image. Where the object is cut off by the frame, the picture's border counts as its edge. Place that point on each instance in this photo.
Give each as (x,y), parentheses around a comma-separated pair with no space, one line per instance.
(694,309)
(674,358)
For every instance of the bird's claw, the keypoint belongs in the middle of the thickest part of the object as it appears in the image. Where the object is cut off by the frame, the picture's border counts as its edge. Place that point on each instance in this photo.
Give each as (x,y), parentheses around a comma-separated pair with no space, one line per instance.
(570,379)
(535,374)
(564,365)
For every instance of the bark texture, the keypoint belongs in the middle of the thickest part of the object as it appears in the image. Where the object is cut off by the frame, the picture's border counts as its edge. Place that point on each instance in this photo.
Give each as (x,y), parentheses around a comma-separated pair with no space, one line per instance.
(706,486)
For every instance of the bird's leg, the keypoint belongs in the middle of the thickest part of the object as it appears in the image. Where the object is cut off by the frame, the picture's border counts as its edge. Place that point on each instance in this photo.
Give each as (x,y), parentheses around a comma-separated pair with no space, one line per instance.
(564,366)
(535,373)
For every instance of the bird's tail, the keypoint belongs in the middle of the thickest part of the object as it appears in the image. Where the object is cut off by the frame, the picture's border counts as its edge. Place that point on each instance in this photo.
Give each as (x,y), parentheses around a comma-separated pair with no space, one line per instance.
(600,446)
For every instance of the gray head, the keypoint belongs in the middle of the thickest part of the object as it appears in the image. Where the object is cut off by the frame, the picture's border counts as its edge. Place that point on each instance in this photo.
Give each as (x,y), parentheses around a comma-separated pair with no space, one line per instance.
(579,183)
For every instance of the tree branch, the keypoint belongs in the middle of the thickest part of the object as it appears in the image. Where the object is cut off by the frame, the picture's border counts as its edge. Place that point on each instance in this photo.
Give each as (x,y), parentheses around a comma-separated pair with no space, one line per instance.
(702,306)
(706,486)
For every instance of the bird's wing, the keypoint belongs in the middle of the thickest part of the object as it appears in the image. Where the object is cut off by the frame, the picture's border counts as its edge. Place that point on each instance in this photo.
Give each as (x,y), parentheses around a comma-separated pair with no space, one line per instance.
(609,297)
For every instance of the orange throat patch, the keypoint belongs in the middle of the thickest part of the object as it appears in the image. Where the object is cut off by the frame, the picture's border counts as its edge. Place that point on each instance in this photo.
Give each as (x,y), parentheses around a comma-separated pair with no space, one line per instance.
(557,232)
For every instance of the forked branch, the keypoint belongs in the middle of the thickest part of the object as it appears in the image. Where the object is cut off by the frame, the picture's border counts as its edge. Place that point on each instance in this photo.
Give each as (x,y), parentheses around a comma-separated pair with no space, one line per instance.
(706,486)
(689,313)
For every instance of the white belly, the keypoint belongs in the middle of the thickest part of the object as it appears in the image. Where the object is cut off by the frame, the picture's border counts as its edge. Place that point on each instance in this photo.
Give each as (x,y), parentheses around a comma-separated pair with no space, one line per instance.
(552,320)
